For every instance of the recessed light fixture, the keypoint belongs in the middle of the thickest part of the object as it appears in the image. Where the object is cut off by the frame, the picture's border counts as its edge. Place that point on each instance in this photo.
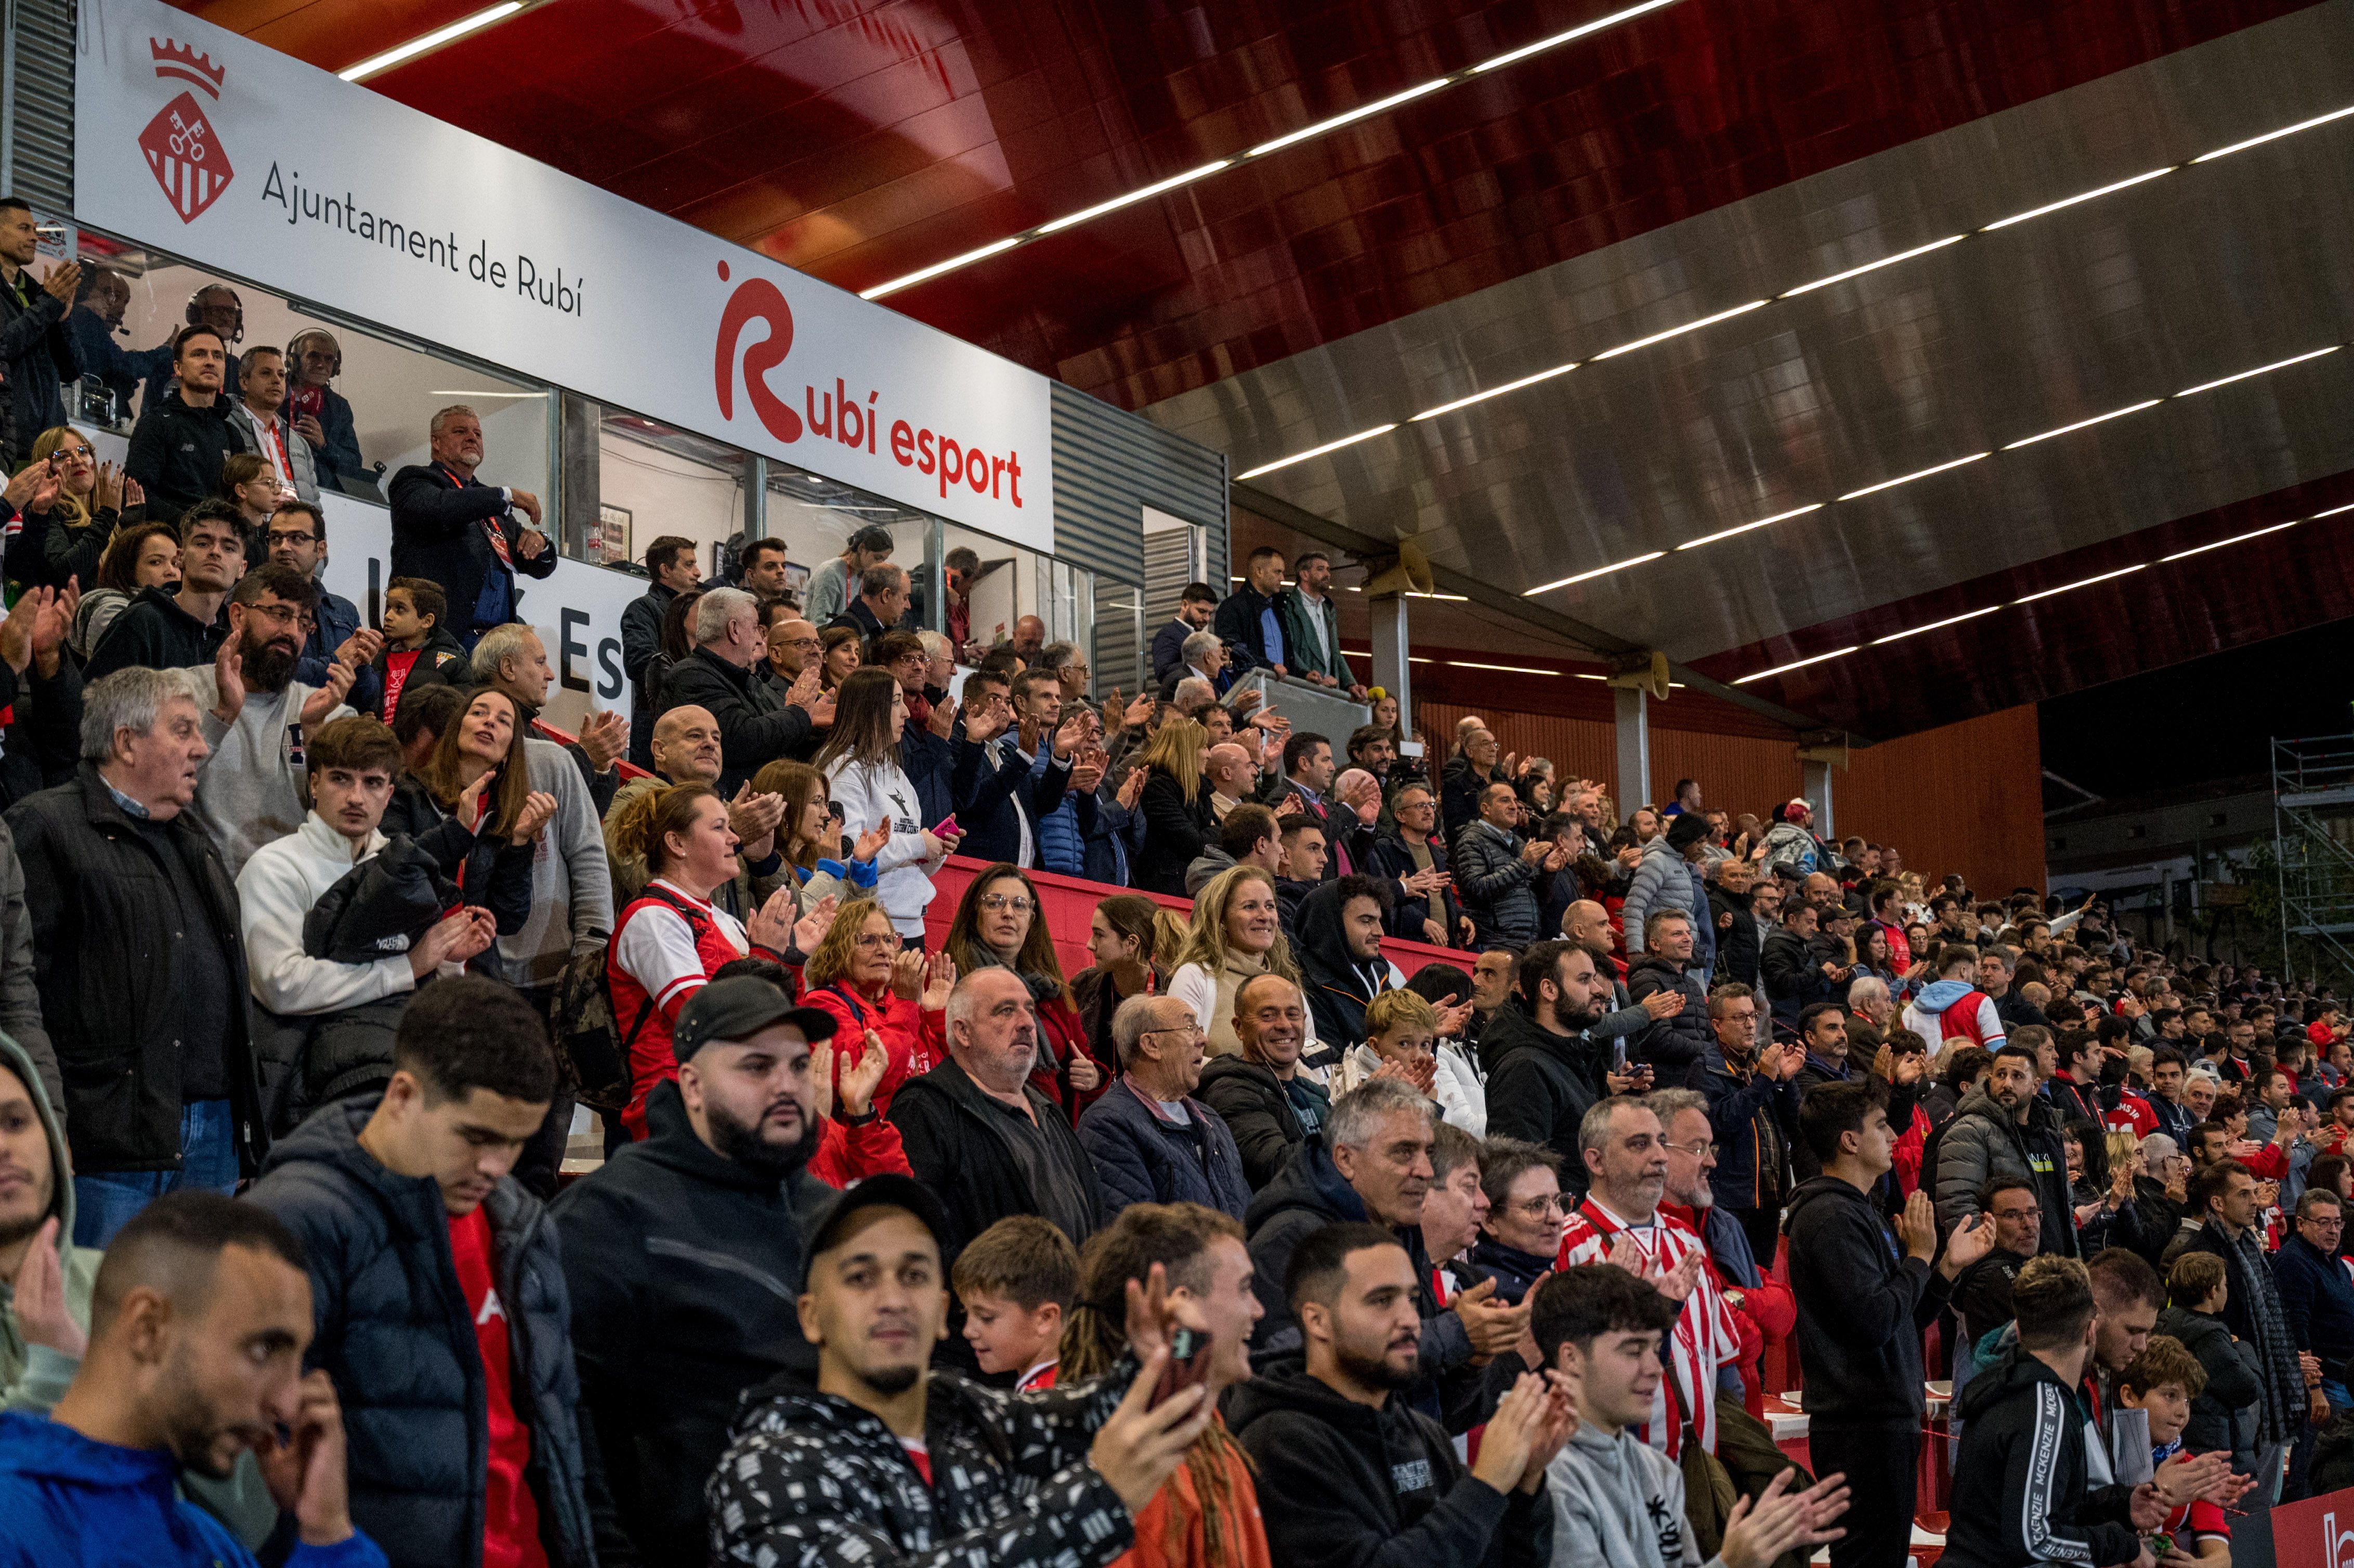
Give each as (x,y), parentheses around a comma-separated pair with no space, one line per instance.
(1869,266)
(2050,206)
(1318,451)
(1680,331)
(1596,572)
(1909,478)
(2274,135)
(1796,664)
(2082,582)
(432,40)
(1936,625)
(1502,669)
(1496,391)
(2235,539)
(1745,528)
(2259,370)
(1450,597)
(2331,512)
(2082,424)
(1175,182)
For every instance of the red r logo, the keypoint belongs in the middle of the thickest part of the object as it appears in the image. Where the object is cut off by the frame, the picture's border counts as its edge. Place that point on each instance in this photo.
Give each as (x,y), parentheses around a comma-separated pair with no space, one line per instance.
(755,299)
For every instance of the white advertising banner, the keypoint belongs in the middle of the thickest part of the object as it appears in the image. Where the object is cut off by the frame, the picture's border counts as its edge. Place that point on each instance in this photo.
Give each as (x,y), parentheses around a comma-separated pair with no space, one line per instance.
(237,157)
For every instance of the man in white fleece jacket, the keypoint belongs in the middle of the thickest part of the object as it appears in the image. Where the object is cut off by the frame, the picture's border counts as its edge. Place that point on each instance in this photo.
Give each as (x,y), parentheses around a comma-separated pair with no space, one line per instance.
(353,762)
(1616,1500)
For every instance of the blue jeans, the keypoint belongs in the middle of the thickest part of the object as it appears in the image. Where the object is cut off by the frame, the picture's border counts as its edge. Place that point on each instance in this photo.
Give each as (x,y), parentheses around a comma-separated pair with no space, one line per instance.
(104,1203)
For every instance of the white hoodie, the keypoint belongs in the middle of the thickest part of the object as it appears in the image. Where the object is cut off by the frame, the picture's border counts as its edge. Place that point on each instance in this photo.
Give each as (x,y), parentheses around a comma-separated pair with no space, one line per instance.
(1455,1085)
(275,891)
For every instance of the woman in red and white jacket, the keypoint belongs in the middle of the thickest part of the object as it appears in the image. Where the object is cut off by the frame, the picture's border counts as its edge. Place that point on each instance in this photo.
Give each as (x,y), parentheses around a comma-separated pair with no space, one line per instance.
(671,939)
(859,974)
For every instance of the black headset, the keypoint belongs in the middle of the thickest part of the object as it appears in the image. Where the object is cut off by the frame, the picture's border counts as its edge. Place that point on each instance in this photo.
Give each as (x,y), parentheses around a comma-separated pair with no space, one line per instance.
(237,333)
(294,350)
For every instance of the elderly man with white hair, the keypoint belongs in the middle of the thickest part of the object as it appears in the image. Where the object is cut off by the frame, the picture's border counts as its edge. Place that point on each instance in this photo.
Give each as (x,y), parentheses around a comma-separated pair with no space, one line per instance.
(1203,657)
(1152,1141)
(757,724)
(2161,1192)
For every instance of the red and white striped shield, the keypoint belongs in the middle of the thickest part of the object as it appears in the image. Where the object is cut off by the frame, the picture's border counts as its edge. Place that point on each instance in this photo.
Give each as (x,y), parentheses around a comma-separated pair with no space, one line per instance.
(185,157)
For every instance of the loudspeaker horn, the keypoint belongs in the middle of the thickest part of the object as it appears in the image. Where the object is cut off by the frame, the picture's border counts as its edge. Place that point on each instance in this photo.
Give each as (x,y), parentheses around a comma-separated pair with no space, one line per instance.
(1643,672)
(1408,571)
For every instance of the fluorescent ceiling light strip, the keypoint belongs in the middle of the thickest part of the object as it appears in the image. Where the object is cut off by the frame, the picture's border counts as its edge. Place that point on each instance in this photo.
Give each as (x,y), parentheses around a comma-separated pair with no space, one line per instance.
(1936,625)
(1101,207)
(2235,539)
(2331,512)
(1761,523)
(1503,668)
(432,40)
(1871,266)
(1450,597)
(1513,57)
(1795,664)
(1361,112)
(1909,478)
(2087,582)
(1318,451)
(2081,424)
(1596,572)
(2275,136)
(1496,391)
(1680,331)
(2071,201)
(2259,370)
(1585,677)
(936,268)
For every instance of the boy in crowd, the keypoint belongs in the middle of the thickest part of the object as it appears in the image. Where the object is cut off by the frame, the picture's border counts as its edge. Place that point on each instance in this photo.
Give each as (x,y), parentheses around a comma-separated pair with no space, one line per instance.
(2163,1380)
(1616,1499)
(417,650)
(1016,1281)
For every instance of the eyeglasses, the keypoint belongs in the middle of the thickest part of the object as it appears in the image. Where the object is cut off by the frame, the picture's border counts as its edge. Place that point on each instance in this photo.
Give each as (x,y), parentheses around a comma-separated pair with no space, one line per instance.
(1000,903)
(1192,1031)
(1696,1150)
(874,942)
(802,643)
(276,537)
(1538,1208)
(283,615)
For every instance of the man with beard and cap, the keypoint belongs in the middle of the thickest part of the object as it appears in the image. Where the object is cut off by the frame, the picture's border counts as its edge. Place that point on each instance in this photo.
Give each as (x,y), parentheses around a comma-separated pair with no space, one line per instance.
(256,714)
(683,1252)
(1548,1071)
(1340,948)
(45,1279)
(200,1319)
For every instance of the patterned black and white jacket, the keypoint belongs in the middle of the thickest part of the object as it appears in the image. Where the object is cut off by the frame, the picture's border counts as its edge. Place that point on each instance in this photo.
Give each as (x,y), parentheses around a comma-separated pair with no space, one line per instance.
(810,1480)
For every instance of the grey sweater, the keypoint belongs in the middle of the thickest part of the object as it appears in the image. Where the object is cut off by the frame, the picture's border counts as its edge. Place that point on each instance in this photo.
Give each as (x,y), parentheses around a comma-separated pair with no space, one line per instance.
(571,888)
(253,790)
(1619,1502)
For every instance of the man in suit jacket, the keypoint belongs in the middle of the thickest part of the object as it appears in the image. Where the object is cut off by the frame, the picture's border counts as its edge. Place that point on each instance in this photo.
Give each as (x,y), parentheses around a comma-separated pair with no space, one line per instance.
(1195,608)
(1308,776)
(464,535)
(1000,797)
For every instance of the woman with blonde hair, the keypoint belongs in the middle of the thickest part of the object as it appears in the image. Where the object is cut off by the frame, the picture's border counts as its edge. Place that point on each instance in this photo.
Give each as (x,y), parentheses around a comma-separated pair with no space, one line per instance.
(871,984)
(1236,935)
(1175,805)
(671,939)
(92,501)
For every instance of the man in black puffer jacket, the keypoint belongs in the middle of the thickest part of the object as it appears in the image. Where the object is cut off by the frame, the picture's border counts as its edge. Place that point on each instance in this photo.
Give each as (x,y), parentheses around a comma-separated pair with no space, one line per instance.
(1548,1072)
(1673,1043)
(439,1293)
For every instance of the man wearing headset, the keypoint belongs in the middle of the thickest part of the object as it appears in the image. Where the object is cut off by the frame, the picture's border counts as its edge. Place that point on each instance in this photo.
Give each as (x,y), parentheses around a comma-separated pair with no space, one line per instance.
(216,306)
(321,415)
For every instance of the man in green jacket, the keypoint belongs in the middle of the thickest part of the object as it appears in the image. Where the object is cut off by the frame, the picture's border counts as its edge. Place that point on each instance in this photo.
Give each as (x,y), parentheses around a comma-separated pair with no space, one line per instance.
(1312,627)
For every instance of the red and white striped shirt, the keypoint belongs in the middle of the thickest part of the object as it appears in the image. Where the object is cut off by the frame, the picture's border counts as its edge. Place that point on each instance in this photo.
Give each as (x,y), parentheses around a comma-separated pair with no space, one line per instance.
(1706,1336)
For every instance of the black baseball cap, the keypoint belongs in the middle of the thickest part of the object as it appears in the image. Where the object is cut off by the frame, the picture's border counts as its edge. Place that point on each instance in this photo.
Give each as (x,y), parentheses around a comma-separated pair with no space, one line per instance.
(886,1191)
(739,1007)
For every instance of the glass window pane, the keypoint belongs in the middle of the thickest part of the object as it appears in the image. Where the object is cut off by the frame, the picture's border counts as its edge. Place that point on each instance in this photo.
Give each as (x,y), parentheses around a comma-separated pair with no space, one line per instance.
(653,481)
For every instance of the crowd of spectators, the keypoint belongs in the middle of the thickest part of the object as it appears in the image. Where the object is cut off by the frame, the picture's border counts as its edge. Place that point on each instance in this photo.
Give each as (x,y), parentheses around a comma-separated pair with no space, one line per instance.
(1240,1247)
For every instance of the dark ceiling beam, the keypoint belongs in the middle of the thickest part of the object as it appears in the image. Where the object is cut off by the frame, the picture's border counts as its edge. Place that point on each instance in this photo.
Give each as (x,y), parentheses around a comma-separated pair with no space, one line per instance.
(1516,608)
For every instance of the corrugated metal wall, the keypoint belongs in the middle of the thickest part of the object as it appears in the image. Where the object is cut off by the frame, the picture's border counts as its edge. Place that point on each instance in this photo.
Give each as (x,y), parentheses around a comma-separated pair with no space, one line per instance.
(1964,798)
(1109,465)
(40,135)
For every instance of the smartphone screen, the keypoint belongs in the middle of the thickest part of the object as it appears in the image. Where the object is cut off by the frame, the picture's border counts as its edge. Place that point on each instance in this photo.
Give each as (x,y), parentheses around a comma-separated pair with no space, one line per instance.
(1189,1363)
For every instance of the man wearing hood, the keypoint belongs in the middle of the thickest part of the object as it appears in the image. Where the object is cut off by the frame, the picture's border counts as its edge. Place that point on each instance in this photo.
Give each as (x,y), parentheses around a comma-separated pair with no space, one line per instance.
(45,1279)
(1997,1133)
(1864,1299)
(683,1253)
(1791,848)
(1373,1164)
(1952,1007)
(1360,1475)
(1339,950)
(1548,1072)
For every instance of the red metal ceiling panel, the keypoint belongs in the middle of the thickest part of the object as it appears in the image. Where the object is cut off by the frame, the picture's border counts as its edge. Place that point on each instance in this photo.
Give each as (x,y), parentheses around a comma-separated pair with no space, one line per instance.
(862,140)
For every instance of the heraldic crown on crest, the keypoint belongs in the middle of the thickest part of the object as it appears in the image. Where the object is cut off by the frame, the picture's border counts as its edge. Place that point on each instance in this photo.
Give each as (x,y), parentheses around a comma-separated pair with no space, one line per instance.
(181,148)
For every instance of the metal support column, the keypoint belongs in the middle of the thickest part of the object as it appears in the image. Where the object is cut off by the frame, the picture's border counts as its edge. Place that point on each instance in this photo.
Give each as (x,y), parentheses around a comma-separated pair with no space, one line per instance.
(1634,728)
(1392,672)
(576,505)
(756,497)
(1816,786)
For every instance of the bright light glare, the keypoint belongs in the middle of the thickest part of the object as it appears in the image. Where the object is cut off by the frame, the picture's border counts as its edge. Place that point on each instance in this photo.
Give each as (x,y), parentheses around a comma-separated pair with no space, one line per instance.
(2259,370)
(1680,331)
(1871,266)
(1761,523)
(936,268)
(1504,669)
(2081,424)
(1936,625)
(1101,207)
(2072,201)
(1596,572)
(1796,664)
(2275,136)
(432,40)
(1496,391)
(1909,478)
(2235,539)
(1318,451)
(2084,582)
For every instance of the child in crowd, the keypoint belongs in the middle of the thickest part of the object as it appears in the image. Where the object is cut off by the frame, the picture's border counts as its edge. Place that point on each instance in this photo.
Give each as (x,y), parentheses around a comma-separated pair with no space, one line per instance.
(1016,1283)
(1401,1027)
(2163,1380)
(417,651)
